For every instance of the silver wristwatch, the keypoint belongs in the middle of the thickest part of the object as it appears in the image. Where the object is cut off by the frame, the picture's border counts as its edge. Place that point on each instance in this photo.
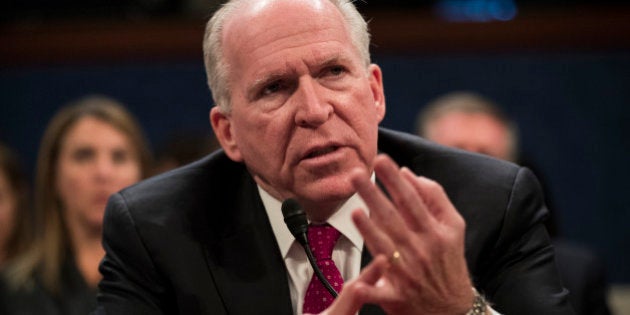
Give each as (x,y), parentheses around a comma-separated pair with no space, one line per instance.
(480,306)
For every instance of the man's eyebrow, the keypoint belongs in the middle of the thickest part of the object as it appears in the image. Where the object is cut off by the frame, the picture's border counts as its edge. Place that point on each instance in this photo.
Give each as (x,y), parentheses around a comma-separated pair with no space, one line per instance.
(262,81)
(330,61)
(258,83)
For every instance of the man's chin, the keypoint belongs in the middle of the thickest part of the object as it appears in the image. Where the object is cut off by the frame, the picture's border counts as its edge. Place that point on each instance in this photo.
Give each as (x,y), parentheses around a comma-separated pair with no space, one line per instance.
(327,192)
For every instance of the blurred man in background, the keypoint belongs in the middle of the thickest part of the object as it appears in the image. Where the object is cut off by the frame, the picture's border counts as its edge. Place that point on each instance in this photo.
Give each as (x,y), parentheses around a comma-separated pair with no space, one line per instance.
(472,122)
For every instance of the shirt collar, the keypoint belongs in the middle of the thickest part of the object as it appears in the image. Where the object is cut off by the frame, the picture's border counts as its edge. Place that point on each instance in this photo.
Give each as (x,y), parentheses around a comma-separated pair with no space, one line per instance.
(340,220)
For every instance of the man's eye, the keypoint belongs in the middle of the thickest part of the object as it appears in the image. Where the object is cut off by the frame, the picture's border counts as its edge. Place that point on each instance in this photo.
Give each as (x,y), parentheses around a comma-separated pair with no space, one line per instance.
(334,71)
(272,88)
(337,70)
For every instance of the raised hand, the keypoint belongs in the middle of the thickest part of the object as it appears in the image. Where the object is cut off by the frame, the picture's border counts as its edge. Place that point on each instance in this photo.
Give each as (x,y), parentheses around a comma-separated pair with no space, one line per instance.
(422,233)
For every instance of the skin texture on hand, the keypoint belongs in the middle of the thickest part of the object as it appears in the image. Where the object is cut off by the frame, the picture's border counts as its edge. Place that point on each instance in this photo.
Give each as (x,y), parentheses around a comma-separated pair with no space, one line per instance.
(419,222)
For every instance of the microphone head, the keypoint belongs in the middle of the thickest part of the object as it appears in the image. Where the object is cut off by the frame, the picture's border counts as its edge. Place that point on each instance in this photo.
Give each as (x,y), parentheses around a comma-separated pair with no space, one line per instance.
(295,219)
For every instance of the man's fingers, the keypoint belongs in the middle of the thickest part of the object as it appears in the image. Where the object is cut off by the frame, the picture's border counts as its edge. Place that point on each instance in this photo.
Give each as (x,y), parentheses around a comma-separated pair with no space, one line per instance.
(374,287)
(374,270)
(353,295)
(404,195)
(434,196)
(376,240)
(382,211)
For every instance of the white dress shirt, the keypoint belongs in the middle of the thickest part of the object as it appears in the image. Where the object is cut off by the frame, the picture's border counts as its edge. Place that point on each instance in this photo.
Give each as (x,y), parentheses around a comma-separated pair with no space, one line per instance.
(346,254)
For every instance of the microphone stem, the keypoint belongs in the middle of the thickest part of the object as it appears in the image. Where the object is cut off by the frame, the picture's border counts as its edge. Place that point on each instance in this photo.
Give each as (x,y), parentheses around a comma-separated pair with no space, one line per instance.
(318,272)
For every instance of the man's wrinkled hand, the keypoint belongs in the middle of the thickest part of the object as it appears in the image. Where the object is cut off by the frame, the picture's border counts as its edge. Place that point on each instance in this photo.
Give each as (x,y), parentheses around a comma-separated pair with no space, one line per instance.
(422,235)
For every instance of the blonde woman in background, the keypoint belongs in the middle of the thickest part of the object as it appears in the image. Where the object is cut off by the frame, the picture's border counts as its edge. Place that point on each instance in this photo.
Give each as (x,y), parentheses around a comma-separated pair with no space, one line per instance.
(90,149)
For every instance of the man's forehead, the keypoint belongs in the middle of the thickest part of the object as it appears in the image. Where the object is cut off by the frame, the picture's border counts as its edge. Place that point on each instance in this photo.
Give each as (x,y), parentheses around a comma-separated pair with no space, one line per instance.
(256,13)
(285,43)
(254,7)
(284,68)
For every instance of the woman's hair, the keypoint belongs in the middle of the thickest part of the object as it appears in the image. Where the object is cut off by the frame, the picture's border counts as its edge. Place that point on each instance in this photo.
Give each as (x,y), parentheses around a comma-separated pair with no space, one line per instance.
(217,70)
(45,258)
(21,234)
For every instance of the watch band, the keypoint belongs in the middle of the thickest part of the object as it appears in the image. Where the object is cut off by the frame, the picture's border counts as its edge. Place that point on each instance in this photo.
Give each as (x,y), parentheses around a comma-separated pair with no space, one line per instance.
(479,306)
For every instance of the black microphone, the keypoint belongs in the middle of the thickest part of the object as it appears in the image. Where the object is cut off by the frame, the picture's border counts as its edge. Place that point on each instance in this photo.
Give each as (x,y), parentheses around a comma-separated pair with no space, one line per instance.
(295,219)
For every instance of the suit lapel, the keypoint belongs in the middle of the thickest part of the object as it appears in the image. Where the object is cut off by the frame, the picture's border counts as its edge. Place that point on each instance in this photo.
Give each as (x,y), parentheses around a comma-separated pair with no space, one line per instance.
(244,258)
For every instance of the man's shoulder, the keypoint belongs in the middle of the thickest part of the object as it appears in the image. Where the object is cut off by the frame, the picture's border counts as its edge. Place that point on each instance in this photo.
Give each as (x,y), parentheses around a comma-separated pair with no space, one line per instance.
(188,178)
(186,189)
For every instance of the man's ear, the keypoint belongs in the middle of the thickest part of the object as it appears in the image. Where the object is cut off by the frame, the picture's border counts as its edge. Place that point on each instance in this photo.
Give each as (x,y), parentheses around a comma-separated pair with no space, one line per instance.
(222,126)
(378,92)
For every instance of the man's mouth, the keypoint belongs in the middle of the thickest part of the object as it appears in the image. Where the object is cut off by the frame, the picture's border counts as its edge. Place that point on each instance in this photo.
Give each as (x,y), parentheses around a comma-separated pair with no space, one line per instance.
(320,152)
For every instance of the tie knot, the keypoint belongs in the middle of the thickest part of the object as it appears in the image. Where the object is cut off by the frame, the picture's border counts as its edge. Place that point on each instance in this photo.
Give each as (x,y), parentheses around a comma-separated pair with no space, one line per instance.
(322,239)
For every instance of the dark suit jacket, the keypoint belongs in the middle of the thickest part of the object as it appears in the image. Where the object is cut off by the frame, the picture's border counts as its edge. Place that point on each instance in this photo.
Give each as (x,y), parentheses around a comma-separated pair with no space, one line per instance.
(197,240)
(582,272)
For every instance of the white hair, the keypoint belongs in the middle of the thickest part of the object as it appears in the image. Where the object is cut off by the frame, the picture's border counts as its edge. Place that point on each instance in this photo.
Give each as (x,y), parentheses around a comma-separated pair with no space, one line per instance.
(217,70)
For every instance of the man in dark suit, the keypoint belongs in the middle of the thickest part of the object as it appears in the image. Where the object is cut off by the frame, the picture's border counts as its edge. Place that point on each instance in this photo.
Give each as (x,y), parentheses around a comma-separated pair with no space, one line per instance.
(298,108)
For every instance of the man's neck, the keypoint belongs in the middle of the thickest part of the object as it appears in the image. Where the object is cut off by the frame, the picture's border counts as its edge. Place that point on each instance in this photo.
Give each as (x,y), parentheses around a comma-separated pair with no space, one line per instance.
(318,212)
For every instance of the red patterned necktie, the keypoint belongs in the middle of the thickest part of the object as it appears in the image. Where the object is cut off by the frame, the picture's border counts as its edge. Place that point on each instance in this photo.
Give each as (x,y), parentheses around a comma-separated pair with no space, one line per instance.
(322,239)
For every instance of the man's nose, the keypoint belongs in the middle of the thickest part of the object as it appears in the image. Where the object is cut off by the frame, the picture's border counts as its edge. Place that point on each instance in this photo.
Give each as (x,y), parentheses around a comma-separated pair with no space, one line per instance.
(312,109)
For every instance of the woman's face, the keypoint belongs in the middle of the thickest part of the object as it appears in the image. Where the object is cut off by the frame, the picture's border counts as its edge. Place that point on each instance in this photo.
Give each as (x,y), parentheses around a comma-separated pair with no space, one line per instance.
(7,211)
(95,161)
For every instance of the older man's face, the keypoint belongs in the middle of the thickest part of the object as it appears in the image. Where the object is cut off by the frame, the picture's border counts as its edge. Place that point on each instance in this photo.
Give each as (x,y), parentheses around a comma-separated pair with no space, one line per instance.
(305,110)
